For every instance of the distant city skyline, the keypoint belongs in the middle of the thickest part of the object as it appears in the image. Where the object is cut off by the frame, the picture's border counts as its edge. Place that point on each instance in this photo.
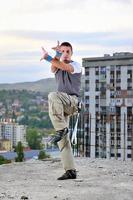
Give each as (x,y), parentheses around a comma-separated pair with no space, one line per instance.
(93,27)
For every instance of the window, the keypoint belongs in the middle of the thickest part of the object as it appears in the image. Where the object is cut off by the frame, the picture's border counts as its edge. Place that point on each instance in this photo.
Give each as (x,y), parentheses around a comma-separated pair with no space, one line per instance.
(87,73)
(128,155)
(97,73)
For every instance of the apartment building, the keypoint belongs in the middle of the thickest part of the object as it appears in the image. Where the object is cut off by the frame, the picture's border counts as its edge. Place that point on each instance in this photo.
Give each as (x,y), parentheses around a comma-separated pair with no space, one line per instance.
(5,145)
(9,130)
(109,105)
(19,134)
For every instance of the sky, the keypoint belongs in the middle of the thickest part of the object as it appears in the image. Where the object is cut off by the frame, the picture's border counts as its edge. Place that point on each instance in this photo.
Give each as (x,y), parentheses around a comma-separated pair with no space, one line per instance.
(93,27)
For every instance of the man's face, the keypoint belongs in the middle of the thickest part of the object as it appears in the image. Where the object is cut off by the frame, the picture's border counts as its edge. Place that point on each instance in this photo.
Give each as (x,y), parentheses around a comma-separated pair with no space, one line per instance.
(66,53)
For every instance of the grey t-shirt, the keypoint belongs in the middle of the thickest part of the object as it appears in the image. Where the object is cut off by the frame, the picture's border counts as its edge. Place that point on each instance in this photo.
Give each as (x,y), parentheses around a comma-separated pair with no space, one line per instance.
(69,82)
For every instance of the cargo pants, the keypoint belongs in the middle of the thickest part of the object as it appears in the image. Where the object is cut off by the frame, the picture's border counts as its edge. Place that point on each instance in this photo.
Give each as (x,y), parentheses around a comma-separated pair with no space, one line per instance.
(61,107)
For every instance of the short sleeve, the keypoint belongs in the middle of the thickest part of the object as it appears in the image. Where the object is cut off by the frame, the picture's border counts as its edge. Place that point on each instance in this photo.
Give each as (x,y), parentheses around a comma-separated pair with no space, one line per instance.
(77,67)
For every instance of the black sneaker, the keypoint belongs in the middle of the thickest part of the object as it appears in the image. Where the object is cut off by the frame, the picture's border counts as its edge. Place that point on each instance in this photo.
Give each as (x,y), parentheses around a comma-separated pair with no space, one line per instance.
(59,135)
(69,174)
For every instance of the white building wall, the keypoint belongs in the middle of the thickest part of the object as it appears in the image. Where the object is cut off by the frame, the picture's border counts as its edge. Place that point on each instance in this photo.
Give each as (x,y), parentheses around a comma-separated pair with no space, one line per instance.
(123,133)
(108,136)
(123,114)
(19,134)
(8,132)
(124,78)
(13,132)
(92,111)
(0,132)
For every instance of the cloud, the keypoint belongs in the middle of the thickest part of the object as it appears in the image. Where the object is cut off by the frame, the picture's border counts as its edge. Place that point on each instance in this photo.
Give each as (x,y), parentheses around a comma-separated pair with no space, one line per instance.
(24,72)
(23,55)
(21,63)
(29,50)
(122,1)
(65,15)
(82,38)
(94,27)
(41,7)
(28,43)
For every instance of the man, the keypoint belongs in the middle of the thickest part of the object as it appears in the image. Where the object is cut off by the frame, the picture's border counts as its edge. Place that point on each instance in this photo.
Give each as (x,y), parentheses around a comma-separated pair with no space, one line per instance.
(64,102)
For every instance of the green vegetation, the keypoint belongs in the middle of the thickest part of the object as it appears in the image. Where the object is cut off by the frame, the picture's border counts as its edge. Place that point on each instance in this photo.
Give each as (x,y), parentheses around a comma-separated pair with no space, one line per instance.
(29,107)
(29,112)
(34,139)
(20,153)
(32,109)
(4,161)
(42,155)
(7,96)
(36,119)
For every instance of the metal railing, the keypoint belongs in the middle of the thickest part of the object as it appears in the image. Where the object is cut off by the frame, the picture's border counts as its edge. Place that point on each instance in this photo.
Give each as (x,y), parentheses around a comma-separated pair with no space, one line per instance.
(103,136)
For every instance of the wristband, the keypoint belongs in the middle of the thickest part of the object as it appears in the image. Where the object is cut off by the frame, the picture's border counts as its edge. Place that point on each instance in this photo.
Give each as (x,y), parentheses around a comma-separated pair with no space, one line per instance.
(58,54)
(49,58)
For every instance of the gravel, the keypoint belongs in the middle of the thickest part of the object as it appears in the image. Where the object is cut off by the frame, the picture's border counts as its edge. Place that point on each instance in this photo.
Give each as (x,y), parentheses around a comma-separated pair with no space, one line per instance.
(98,179)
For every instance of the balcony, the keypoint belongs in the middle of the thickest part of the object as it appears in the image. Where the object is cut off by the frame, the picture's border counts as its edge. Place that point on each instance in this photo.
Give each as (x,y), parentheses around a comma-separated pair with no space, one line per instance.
(103,102)
(103,89)
(102,78)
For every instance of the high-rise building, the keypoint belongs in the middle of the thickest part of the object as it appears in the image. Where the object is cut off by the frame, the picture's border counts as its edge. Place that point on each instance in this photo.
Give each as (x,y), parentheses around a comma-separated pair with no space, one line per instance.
(109,105)
(19,134)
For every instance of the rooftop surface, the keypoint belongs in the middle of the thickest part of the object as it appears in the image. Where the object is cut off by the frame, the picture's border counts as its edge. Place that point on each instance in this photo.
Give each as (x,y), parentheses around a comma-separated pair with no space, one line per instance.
(97,179)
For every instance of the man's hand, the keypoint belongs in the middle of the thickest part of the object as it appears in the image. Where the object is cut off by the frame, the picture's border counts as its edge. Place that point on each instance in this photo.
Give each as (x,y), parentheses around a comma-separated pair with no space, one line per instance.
(57,56)
(57,48)
(44,54)
(58,51)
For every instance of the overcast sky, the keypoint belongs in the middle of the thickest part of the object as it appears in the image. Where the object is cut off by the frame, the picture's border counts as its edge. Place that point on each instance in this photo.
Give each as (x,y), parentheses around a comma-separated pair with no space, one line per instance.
(94,27)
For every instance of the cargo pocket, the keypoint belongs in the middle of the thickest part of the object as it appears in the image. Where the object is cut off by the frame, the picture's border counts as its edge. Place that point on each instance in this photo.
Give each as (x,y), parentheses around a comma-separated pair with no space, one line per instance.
(74,105)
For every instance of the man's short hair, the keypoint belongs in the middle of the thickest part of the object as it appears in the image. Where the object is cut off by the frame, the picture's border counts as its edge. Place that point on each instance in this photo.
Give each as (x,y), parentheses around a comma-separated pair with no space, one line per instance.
(67,44)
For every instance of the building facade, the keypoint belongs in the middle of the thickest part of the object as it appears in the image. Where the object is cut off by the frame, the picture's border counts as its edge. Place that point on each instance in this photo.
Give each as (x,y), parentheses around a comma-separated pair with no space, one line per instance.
(109,105)
(13,132)
(5,145)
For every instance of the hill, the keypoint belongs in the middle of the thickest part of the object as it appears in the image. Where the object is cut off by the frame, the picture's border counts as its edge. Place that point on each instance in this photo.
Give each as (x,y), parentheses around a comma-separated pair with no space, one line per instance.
(44,85)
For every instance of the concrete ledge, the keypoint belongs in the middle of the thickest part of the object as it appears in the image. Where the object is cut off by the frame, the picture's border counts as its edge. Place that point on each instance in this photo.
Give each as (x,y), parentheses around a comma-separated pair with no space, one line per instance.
(97,180)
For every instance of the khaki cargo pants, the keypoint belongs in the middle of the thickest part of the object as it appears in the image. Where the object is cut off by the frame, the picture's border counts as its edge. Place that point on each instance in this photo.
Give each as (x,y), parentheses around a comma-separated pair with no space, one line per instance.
(61,106)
